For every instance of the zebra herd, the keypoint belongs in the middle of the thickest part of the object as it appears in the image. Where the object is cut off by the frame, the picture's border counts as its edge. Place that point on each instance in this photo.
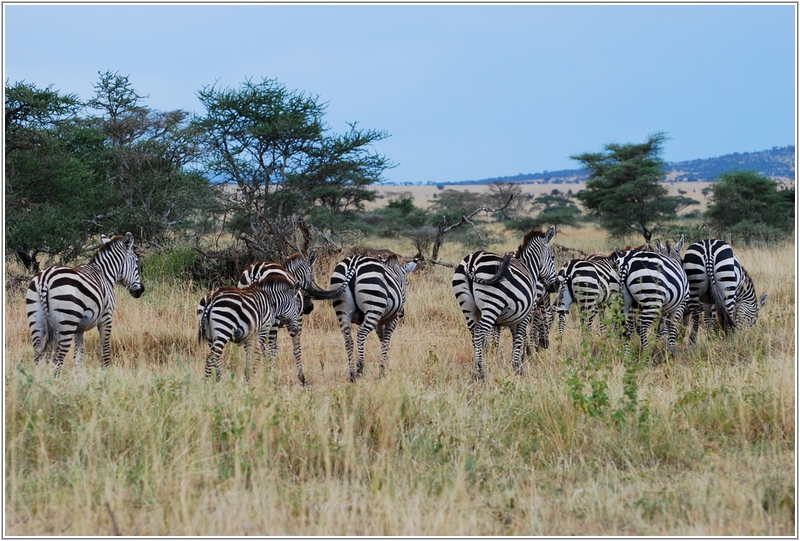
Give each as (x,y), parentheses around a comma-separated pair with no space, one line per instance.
(369,290)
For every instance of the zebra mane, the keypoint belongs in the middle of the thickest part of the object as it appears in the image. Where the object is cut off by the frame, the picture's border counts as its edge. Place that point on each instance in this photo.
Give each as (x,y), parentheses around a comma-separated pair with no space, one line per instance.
(106,247)
(274,278)
(534,233)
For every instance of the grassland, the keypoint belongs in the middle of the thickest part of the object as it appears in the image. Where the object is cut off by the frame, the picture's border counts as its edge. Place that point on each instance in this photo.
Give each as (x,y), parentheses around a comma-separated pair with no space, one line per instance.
(584,443)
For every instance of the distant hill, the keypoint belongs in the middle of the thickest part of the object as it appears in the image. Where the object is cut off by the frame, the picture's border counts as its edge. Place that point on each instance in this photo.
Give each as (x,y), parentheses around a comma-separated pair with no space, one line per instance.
(777,163)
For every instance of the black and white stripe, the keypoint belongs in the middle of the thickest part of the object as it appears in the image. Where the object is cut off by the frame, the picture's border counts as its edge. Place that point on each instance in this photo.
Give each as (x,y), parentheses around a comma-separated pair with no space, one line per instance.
(237,314)
(591,283)
(64,302)
(295,268)
(747,303)
(502,290)
(653,284)
(715,279)
(372,294)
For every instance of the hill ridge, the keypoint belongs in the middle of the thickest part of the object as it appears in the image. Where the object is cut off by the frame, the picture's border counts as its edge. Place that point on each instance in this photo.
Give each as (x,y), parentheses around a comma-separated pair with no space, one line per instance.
(777,163)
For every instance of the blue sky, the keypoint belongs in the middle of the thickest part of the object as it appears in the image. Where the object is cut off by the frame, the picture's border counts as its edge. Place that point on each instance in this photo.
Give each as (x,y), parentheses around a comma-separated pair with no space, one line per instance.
(465,91)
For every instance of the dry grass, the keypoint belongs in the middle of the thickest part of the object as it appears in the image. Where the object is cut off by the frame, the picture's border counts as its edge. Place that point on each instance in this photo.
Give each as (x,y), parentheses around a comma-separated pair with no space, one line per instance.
(147,447)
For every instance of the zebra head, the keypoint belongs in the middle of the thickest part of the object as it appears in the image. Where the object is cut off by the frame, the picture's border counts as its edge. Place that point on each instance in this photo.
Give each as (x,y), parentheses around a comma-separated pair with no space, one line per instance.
(673,252)
(747,303)
(535,251)
(118,257)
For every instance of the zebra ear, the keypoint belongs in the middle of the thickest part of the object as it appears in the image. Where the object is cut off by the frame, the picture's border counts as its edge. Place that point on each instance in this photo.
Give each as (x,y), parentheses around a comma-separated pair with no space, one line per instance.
(104,239)
(551,232)
(762,300)
(411,266)
(619,253)
(312,257)
(679,246)
(128,241)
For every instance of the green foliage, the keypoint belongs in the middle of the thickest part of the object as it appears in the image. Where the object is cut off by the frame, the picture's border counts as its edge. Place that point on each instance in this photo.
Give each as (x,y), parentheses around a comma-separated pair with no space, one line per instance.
(169,265)
(624,189)
(750,207)
(70,177)
(273,145)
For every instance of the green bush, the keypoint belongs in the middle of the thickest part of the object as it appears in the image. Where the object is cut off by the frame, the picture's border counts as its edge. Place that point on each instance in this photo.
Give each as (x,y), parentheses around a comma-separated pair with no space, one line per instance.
(169,265)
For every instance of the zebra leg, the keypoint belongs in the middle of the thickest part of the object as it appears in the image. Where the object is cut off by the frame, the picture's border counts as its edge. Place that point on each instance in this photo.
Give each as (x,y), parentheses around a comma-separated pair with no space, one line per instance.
(481,330)
(370,322)
(214,359)
(562,322)
(519,332)
(385,336)
(695,310)
(295,329)
(64,341)
(347,333)
(273,345)
(104,328)
(78,349)
(494,336)
(248,354)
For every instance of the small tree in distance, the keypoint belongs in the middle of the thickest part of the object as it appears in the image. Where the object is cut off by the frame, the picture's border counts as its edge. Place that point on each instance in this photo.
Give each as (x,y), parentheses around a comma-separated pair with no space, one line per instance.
(624,189)
(749,206)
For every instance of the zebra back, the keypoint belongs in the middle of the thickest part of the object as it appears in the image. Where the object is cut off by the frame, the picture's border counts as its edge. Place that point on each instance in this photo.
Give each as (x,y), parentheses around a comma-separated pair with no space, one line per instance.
(714,275)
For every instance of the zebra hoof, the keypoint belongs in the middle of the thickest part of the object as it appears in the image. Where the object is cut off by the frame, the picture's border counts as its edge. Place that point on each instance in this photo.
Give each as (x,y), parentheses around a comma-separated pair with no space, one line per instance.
(303,381)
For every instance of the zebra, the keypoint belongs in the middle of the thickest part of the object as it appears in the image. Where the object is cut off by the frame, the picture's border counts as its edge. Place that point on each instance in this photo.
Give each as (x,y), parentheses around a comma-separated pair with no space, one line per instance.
(294,267)
(502,290)
(715,278)
(653,283)
(747,303)
(539,326)
(591,282)
(237,314)
(64,302)
(371,293)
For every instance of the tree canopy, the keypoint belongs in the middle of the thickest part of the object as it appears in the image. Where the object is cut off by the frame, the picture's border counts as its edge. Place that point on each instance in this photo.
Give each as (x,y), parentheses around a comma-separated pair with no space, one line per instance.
(749,206)
(624,189)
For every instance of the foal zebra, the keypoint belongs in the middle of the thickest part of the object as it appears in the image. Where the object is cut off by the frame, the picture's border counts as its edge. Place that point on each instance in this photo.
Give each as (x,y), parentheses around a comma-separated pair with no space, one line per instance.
(295,267)
(496,290)
(65,302)
(590,282)
(372,294)
(237,314)
(715,279)
(653,284)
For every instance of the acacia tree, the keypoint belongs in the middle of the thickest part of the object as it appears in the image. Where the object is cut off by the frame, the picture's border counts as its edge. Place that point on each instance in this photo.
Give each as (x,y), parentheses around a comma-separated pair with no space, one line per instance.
(272,145)
(151,173)
(750,206)
(624,189)
(54,195)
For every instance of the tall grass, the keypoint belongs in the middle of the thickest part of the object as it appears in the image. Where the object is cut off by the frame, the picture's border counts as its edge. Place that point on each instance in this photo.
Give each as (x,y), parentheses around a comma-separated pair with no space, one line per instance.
(586,442)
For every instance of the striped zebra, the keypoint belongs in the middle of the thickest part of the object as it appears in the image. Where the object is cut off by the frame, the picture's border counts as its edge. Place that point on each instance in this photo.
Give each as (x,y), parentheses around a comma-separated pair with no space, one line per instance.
(715,278)
(747,303)
(502,290)
(590,282)
(237,314)
(65,302)
(295,267)
(372,294)
(653,284)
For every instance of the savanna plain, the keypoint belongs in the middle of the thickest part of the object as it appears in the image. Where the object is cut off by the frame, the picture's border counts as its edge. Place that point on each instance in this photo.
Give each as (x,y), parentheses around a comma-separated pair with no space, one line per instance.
(586,442)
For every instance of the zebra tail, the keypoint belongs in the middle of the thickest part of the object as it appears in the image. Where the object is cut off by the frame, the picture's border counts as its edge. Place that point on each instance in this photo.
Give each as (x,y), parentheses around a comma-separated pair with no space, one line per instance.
(726,319)
(329,294)
(204,325)
(497,276)
(50,334)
